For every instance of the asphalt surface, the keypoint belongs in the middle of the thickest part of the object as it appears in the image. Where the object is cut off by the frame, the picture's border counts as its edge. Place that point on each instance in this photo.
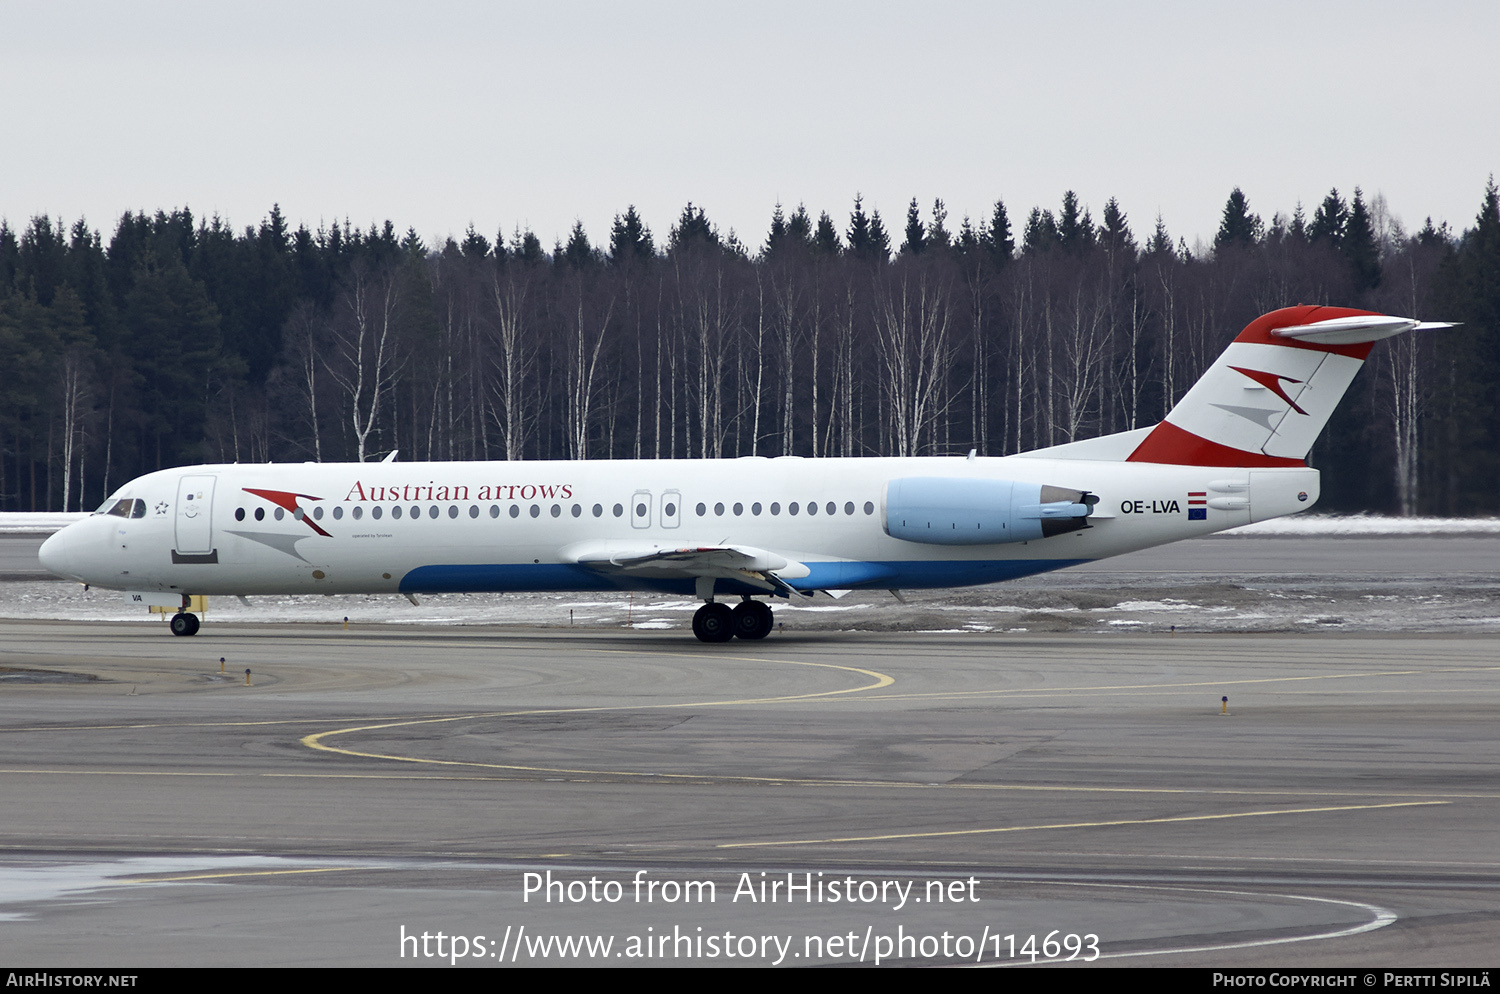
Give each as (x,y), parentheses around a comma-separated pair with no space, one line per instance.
(398,781)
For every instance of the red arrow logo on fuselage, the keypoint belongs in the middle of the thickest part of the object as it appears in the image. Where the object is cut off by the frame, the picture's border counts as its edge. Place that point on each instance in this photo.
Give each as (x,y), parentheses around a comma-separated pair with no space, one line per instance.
(1272,382)
(288,500)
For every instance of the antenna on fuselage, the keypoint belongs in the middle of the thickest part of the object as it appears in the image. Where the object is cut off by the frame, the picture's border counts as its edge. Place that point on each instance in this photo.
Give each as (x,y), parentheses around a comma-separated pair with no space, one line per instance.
(391,457)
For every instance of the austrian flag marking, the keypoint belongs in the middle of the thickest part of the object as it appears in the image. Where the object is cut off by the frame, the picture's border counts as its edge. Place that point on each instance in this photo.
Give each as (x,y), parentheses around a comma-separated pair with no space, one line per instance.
(1198,505)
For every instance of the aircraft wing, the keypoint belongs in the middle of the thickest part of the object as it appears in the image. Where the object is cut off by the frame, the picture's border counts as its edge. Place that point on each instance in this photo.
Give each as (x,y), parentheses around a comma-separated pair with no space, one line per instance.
(756,567)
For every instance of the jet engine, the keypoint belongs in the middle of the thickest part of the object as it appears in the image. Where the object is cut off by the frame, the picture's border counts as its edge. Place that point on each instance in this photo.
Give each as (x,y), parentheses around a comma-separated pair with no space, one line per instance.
(948,511)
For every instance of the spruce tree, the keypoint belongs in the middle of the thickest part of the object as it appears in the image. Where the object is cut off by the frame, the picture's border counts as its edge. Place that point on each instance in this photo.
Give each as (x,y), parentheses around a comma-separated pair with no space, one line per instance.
(1359,246)
(776,237)
(826,237)
(1041,232)
(1115,234)
(1430,236)
(996,237)
(1075,229)
(1330,220)
(692,228)
(630,239)
(475,245)
(1160,244)
(859,230)
(916,232)
(527,248)
(578,254)
(10,250)
(1298,228)
(799,227)
(938,236)
(1238,228)
(880,242)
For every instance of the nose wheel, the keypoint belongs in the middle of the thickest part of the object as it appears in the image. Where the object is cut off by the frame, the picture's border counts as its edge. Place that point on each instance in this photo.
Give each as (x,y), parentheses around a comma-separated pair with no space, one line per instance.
(184,623)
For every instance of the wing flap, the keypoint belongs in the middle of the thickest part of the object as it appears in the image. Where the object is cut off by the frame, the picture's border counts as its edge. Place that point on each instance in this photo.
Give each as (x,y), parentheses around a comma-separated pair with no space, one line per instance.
(756,567)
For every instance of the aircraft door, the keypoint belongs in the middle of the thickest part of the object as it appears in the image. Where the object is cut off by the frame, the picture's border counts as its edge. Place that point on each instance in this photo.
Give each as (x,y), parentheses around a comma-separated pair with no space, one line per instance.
(671,509)
(195,505)
(640,509)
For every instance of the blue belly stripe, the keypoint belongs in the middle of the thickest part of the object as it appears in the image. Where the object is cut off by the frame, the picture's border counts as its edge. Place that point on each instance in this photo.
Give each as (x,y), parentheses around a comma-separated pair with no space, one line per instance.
(902,575)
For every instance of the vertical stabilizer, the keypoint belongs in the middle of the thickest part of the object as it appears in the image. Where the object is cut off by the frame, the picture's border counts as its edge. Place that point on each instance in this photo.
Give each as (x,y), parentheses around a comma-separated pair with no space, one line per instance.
(1264,401)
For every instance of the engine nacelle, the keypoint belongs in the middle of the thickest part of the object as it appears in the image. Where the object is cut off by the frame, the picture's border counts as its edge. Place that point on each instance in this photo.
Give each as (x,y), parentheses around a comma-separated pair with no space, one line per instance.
(951,511)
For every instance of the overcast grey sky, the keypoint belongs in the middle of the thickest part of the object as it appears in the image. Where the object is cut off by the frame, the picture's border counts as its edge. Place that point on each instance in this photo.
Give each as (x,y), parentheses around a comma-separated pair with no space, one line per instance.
(438,114)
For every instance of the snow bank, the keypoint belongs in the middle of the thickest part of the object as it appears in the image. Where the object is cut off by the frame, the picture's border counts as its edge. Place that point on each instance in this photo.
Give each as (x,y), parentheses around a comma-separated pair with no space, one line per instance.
(1363,526)
(38,521)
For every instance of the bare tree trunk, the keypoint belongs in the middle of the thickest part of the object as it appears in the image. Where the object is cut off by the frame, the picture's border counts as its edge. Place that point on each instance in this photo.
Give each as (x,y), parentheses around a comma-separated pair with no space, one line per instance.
(516,355)
(366,350)
(913,345)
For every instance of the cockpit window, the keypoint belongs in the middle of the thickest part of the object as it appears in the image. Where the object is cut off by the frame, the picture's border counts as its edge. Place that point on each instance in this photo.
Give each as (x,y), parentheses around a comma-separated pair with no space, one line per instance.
(126,508)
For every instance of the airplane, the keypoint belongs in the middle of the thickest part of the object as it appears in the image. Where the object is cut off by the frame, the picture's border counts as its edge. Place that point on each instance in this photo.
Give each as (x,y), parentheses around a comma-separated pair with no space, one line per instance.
(1230,452)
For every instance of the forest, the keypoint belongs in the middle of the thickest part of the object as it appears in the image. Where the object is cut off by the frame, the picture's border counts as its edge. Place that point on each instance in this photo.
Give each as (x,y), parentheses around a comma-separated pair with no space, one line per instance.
(175,340)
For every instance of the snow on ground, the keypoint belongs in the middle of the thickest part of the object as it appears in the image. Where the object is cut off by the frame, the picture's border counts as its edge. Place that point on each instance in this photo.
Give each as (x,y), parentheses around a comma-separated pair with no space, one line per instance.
(1363,525)
(37,522)
(1056,602)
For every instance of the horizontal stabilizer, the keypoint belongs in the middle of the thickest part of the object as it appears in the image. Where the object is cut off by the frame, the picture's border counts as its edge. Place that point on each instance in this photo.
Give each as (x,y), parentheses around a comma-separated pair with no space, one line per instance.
(1356,330)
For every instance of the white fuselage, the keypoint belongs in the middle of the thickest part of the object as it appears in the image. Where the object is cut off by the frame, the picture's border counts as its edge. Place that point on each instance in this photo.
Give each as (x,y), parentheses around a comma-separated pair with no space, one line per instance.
(497,526)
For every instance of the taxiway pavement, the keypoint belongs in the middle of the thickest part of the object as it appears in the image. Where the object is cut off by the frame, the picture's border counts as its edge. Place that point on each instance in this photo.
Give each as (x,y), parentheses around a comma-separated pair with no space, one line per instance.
(157,812)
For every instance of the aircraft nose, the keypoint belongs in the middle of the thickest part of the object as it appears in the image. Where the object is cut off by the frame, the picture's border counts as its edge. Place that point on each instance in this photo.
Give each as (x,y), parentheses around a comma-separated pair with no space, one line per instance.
(58,553)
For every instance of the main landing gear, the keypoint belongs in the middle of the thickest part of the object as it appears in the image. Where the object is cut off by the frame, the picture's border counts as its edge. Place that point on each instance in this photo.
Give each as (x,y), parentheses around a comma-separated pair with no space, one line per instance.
(184,623)
(715,622)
